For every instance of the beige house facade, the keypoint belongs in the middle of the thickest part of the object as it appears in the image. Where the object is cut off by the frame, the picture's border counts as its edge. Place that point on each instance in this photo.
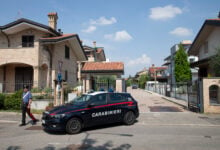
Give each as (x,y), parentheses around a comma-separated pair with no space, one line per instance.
(32,53)
(204,46)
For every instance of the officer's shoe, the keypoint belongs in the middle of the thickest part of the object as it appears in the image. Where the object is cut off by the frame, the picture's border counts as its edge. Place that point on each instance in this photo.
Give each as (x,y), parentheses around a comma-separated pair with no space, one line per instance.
(35,121)
(22,124)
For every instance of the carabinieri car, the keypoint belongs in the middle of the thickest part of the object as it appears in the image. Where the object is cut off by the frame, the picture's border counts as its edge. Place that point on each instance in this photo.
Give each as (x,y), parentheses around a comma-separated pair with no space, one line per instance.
(90,110)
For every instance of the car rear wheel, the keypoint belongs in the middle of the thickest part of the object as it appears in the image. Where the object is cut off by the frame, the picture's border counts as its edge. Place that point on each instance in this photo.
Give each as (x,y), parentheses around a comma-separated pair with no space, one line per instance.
(73,126)
(129,118)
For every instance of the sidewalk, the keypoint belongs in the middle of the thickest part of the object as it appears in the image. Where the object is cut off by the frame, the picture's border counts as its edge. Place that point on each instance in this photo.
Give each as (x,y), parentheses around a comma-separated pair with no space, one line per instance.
(179,102)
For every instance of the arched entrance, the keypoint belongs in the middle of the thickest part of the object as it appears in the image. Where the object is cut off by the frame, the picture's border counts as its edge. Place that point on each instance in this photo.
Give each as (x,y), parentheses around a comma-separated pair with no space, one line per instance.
(13,76)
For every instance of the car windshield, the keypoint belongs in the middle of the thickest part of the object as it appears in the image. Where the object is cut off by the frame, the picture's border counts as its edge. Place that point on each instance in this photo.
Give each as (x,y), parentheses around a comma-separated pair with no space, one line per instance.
(80,99)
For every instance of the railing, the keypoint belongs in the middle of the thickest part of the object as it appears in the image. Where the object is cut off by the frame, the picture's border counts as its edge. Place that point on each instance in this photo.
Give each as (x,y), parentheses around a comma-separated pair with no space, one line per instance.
(178,91)
(9,87)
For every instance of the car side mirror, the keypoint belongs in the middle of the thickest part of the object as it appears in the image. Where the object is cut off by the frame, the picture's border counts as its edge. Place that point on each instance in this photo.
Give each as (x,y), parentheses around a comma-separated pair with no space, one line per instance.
(91,105)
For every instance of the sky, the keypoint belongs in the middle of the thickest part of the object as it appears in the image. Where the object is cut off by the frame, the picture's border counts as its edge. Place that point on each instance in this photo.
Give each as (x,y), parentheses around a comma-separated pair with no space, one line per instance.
(137,32)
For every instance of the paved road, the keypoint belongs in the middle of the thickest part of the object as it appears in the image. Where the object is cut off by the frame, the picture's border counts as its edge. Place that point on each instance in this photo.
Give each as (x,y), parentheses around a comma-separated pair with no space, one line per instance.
(153,131)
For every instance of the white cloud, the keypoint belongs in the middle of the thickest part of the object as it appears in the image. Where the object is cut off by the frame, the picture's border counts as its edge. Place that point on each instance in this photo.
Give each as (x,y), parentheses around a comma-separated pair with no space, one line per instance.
(119,36)
(90,29)
(103,21)
(181,31)
(164,13)
(143,60)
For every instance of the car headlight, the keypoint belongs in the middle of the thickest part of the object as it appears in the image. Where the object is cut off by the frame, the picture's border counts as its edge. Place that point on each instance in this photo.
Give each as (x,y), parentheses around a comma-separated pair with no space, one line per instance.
(58,116)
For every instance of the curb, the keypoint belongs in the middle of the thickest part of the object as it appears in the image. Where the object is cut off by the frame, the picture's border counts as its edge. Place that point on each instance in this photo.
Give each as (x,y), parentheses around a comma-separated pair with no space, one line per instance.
(168,99)
(148,92)
(165,98)
(16,113)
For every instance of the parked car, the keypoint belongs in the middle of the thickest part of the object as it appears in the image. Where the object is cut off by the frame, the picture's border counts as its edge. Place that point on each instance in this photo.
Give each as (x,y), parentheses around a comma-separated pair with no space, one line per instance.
(90,110)
(134,86)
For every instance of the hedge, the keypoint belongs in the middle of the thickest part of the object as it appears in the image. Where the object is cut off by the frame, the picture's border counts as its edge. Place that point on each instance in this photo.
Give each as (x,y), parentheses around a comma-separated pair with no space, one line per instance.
(13,101)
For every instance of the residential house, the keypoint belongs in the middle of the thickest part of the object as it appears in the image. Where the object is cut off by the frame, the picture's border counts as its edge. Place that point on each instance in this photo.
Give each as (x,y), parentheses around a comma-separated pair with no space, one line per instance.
(204,46)
(33,53)
(142,72)
(158,74)
(94,54)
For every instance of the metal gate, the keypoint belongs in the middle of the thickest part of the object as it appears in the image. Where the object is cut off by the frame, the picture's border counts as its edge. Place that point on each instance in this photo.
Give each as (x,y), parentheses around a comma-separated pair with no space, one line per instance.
(103,84)
(194,96)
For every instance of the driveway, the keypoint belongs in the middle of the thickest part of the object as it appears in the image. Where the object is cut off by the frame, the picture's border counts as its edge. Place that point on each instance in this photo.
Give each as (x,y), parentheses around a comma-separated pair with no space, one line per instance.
(149,102)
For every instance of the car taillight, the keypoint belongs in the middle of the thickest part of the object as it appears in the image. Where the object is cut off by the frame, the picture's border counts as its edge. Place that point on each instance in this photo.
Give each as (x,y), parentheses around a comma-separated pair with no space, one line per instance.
(130,103)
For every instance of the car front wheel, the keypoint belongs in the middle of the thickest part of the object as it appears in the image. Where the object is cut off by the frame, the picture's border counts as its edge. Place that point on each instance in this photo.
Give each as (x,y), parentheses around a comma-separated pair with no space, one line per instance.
(129,118)
(73,126)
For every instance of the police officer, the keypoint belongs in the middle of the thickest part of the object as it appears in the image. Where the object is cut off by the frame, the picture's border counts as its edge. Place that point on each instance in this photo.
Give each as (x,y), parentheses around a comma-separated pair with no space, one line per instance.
(26,106)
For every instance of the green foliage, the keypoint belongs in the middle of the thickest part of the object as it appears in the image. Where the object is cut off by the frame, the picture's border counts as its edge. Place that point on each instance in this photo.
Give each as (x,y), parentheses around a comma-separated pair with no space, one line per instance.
(2,98)
(47,90)
(142,81)
(182,67)
(36,90)
(129,82)
(215,63)
(43,96)
(13,101)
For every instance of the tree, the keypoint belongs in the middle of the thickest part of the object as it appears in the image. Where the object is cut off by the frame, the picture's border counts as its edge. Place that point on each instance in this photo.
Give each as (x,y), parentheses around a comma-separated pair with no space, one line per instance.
(215,63)
(182,67)
(142,81)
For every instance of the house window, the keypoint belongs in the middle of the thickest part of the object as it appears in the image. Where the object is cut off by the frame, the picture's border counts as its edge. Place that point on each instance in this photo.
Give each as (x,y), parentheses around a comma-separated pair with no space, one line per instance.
(66,75)
(27,41)
(206,47)
(67,52)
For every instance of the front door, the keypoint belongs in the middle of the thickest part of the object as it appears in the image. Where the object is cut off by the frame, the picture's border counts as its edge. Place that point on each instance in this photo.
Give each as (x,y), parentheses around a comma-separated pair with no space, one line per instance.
(23,76)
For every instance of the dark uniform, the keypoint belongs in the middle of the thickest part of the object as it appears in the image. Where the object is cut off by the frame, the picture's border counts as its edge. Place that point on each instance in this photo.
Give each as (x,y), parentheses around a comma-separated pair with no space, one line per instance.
(25,106)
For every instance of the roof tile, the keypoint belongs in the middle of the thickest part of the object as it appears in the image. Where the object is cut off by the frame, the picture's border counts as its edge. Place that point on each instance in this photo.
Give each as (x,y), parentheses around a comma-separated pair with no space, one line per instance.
(106,66)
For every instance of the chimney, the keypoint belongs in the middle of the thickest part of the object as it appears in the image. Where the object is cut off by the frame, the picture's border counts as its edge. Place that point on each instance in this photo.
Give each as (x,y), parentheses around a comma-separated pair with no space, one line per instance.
(52,20)
(94,44)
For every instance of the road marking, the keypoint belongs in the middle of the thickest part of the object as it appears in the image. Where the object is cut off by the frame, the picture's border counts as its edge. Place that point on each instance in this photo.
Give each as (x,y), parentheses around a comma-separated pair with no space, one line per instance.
(8,121)
(164,112)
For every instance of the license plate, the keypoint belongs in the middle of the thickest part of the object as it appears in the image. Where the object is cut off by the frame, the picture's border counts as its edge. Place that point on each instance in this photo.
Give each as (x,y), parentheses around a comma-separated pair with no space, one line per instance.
(43,121)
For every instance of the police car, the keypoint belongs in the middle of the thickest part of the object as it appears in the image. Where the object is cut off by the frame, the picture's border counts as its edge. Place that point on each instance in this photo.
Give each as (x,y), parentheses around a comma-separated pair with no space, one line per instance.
(90,110)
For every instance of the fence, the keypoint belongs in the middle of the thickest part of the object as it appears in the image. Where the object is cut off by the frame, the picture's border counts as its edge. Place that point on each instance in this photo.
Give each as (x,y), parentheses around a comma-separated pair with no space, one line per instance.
(178,91)
(9,87)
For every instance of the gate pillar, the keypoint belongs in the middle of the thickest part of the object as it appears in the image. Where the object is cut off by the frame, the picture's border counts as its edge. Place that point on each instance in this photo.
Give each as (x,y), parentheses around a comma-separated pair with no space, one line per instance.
(120,85)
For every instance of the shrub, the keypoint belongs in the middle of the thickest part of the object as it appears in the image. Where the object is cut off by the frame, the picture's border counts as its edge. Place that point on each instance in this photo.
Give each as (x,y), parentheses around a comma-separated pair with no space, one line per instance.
(13,101)
(36,90)
(2,98)
(47,90)
(38,97)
